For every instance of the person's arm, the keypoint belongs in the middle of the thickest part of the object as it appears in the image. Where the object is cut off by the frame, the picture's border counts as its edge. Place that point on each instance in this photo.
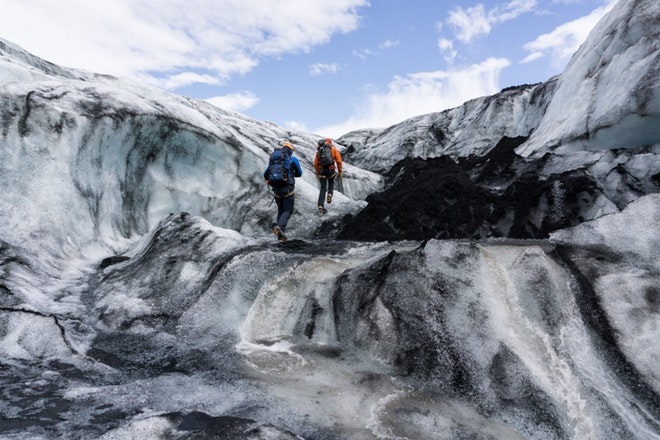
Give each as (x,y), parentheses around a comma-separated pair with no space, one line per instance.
(297,169)
(337,157)
(317,166)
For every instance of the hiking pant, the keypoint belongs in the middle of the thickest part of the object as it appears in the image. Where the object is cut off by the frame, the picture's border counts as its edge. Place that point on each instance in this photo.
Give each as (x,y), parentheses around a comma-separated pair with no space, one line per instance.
(327,178)
(284,209)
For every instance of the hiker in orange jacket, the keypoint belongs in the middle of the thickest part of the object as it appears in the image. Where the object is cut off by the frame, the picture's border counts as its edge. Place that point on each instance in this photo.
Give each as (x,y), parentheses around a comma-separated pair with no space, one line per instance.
(327,156)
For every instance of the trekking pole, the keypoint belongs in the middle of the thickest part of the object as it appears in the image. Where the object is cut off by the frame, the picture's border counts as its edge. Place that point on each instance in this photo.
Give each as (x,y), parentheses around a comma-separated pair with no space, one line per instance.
(271,200)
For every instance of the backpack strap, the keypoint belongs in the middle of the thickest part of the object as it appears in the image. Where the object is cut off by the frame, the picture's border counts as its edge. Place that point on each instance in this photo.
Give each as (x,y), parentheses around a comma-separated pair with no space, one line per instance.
(282,196)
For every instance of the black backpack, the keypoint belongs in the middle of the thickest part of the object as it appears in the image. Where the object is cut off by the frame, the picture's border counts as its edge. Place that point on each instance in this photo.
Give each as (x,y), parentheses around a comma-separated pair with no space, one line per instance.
(278,168)
(325,155)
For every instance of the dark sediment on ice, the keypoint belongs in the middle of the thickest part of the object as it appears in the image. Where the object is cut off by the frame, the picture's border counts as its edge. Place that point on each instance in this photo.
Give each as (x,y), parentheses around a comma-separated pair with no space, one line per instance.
(500,194)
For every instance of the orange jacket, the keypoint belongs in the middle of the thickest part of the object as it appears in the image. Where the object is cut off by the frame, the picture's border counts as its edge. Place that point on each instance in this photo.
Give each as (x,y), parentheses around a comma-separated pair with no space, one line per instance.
(335,156)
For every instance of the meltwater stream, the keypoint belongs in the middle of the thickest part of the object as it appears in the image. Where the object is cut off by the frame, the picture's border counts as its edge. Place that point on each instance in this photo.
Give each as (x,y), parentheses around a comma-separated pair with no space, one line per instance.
(200,332)
(537,325)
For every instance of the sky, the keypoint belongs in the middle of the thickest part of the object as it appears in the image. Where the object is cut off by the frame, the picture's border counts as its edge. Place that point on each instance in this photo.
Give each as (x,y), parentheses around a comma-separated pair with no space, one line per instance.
(322,66)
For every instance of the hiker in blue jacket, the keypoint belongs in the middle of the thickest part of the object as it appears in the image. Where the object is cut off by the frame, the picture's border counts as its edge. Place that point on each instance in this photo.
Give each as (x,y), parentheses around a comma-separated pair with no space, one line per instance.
(281,175)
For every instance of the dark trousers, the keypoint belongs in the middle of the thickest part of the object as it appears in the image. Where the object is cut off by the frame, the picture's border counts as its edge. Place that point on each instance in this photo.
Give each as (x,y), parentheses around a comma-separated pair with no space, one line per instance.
(284,209)
(327,178)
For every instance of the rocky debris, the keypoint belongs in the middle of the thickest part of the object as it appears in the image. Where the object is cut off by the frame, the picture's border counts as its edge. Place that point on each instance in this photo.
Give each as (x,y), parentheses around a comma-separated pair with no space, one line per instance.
(500,194)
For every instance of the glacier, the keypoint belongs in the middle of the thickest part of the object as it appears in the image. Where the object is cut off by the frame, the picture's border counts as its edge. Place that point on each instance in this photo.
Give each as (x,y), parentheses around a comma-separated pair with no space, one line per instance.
(486,272)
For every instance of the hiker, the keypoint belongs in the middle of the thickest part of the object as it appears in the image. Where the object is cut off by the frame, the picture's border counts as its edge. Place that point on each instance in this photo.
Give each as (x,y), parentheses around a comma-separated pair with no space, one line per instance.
(280,174)
(324,164)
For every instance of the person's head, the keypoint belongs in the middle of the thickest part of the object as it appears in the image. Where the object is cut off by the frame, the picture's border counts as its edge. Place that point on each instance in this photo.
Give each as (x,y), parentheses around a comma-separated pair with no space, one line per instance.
(328,141)
(288,146)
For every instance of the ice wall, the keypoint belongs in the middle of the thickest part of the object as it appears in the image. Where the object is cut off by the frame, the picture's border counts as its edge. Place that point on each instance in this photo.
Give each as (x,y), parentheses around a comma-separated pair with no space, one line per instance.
(606,98)
(608,95)
(90,156)
(473,128)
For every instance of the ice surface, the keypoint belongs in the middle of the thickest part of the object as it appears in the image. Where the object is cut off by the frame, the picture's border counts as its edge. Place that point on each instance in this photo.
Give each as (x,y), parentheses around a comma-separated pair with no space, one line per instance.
(634,231)
(471,129)
(628,282)
(587,107)
(125,156)
(198,320)
(592,108)
(27,336)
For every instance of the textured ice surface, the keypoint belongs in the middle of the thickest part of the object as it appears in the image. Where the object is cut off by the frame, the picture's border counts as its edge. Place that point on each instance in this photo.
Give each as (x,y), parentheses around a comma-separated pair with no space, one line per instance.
(143,296)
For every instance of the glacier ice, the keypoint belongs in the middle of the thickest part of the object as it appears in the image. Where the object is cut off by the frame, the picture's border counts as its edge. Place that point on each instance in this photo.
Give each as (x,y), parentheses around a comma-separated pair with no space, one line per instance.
(621,114)
(142,295)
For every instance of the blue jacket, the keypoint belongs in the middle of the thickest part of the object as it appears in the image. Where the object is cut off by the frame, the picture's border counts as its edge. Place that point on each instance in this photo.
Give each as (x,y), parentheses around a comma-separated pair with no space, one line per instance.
(295,171)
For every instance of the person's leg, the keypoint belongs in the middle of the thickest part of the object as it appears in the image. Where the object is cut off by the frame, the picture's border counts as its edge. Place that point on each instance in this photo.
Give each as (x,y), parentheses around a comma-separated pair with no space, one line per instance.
(280,208)
(277,229)
(287,209)
(324,186)
(331,187)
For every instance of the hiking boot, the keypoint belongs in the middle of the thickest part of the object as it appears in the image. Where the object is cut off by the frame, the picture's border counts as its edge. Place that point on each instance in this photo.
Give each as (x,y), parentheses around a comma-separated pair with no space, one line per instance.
(322,210)
(329,200)
(279,232)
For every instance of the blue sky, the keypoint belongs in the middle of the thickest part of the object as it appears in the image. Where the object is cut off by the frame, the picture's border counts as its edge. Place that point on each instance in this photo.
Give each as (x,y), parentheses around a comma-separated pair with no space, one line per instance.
(323,66)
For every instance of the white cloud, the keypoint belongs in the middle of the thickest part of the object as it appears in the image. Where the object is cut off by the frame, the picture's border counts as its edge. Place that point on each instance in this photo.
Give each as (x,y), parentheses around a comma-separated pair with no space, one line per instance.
(183,79)
(564,41)
(512,10)
(320,68)
(295,125)
(469,23)
(388,43)
(476,21)
(168,40)
(447,48)
(532,57)
(363,53)
(421,93)
(236,102)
